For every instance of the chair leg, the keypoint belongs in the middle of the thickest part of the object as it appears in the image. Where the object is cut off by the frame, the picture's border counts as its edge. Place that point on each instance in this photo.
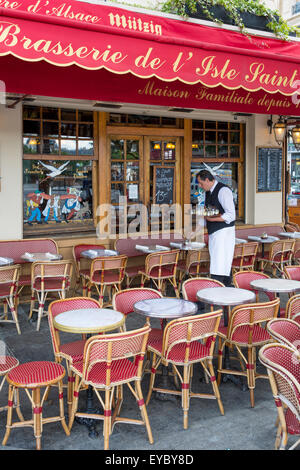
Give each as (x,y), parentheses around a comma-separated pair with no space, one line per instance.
(107,419)
(152,378)
(37,416)
(215,386)
(74,402)
(32,301)
(70,391)
(9,414)
(14,314)
(61,408)
(143,410)
(251,375)
(185,395)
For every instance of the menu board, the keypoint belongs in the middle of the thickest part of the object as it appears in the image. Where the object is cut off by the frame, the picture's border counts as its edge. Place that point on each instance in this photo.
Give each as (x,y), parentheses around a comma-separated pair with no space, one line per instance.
(163,185)
(268,169)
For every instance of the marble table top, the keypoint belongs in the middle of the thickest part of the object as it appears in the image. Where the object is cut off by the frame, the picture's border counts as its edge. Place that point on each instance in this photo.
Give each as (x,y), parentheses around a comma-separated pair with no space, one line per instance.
(290,234)
(42,257)
(151,248)
(225,296)
(88,320)
(276,285)
(269,239)
(4,261)
(188,246)
(167,307)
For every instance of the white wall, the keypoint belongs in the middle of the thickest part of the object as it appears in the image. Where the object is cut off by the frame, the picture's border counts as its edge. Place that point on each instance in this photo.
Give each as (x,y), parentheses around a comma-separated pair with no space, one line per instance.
(261,208)
(11,207)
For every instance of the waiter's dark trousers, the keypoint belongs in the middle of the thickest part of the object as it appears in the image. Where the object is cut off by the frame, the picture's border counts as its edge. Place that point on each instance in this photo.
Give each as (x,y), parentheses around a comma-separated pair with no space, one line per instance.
(226,280)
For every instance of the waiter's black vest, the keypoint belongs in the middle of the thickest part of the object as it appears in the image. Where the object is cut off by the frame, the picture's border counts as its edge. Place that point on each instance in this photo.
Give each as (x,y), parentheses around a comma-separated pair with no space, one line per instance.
(211,199)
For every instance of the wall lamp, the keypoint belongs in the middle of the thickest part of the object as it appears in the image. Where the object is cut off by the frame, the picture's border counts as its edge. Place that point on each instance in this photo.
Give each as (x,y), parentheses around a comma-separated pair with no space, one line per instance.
(286,126)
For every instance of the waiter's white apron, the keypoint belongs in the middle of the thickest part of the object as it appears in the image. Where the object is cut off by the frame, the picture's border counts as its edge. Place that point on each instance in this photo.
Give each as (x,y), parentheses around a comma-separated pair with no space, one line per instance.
(221,248)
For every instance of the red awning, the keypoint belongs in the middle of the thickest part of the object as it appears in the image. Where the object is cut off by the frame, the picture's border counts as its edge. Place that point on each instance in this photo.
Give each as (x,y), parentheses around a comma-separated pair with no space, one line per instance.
(173,62)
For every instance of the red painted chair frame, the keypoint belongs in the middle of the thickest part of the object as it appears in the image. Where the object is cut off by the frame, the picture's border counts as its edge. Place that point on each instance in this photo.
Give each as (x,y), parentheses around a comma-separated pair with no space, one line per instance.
(180,346)
(71,351)
(106,272)
(81,272)
(9,276)
(161,267)
(49,278)
(106,366)
(246,320)
(282,364)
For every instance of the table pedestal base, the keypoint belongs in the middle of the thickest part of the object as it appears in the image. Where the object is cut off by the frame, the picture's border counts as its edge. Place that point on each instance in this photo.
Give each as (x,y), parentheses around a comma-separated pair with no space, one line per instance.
(161,392)
(90,423)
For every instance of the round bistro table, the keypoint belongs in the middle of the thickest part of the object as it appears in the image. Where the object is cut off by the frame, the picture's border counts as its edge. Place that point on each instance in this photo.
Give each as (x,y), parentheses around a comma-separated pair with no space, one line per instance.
(92,254)
(226,297)
(267,240)
(89,321)
(4,261)
(276,286)
(167,308)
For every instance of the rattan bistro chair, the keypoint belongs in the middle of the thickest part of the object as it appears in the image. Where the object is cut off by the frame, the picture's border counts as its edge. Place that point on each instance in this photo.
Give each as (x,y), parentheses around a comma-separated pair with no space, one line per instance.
(9,276)
(282,364)
(245,331)
(53,277)
(293,308)
(285,331)
(31,377)
(190,287)
(244,256)
(292,272)
(106,366)
(280,254)
(106,272)
(81,271)
(296,254)
(181,346)
(161,267)
(195,264)
(72,351)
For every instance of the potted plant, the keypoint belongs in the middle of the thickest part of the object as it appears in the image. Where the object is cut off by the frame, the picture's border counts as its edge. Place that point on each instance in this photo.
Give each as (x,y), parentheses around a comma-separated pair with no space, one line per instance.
(242,13)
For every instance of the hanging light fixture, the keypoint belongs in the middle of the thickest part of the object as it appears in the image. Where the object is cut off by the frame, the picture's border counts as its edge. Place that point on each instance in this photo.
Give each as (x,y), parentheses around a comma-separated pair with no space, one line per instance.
(295,133)
(280,130)
(156,147)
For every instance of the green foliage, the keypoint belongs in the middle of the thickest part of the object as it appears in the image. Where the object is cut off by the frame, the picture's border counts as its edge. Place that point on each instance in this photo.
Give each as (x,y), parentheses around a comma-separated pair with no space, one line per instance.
(233,8)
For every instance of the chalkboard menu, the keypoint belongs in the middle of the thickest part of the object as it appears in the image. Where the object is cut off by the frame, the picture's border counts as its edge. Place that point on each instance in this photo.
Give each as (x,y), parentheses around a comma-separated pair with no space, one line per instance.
(163,185)
(268,169)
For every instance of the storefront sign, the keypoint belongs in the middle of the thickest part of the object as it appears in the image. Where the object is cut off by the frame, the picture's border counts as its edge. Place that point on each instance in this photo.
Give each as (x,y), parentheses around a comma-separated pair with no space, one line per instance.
(148,46)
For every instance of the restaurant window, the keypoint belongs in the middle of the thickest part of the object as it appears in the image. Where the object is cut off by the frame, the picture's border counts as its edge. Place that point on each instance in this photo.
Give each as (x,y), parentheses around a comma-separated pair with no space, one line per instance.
(219,146)
(143,120)
(58,166)
(293,199)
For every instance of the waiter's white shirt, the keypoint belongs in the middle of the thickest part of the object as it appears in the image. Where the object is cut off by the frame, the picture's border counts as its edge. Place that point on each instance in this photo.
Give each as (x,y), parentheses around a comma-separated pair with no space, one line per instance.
(222,242)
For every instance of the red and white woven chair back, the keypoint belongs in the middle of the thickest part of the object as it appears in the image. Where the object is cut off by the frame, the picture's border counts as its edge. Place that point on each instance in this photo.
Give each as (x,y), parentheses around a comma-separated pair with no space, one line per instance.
(114,347)
(292,272)
(250,315)
(167,259)
(245,254)
(9,276)
(192,328)
(78,249)
(285,331)
(282,250)
(190,287)
(197,259)
(124,300)
(297,251)
(282,364)
(109,264)
(52,269)
(242,280)
(293,308)
(64,305)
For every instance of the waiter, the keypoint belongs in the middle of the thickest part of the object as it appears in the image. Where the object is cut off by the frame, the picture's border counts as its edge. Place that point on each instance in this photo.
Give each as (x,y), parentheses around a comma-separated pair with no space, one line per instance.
(220,228)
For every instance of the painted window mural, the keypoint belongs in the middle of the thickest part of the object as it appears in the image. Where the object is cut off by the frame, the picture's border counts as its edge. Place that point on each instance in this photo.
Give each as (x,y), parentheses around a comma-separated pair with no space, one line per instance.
(59,161)
(57,195)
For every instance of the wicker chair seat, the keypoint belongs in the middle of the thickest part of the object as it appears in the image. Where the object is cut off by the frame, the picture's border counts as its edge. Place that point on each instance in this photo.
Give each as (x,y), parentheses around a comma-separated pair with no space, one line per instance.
(177,353)
(5,290)
(108,277)
(73,351)
(33,374)
(192,269)
(248,261)
(133,271)
(7,363)
(121,371)
(50,284)
(158,273)
(241,335)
